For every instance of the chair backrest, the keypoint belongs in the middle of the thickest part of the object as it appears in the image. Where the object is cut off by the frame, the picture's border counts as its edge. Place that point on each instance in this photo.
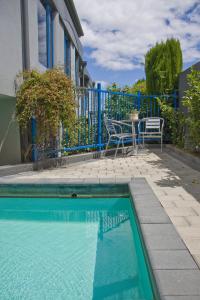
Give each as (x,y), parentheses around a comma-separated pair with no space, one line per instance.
(109,126)
(153,124)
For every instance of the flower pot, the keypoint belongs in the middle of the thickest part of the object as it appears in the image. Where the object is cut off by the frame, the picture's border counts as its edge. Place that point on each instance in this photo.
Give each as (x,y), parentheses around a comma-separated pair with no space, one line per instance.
(134,116)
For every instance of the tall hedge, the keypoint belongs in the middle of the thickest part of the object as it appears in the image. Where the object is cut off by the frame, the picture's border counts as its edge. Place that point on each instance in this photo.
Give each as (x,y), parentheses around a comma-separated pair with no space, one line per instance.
(163,63)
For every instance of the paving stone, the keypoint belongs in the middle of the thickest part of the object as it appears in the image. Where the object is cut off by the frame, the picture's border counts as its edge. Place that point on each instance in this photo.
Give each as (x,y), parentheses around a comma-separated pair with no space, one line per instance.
(159,229)
(193,244)
(172,259)
(181,212)
(193,221)
(189,231)
(161,242)
(180,298)
(152,215)
(180,221)
(179,282)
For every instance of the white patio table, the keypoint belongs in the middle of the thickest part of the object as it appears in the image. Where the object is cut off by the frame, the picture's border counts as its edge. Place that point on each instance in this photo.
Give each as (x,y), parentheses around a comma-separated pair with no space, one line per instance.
(131,123)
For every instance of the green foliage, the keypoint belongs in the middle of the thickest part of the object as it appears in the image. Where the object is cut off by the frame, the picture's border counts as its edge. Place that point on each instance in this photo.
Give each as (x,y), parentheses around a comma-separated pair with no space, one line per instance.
(50,98)
(119,106)
(192,102)
(139,86)
(174,123)
(163,63)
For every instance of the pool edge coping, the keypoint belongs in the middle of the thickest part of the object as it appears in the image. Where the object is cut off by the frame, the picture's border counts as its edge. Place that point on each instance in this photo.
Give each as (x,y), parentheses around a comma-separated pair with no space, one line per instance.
(139,189)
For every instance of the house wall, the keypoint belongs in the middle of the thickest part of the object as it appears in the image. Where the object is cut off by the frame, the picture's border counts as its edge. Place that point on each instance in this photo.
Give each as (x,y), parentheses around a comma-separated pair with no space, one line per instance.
(12,38)
(58,42)
(10,45)
(9,132)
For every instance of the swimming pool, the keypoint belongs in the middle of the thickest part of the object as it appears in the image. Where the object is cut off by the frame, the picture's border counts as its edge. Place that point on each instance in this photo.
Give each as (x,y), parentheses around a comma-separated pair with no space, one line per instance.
(72,248)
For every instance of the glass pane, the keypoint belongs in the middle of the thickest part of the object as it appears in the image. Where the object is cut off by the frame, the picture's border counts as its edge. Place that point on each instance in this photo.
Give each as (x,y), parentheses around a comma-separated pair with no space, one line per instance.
(42,34)
(67,56)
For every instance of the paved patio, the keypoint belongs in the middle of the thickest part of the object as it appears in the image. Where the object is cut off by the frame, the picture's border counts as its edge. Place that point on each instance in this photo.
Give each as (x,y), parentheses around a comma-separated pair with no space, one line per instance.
(176,185)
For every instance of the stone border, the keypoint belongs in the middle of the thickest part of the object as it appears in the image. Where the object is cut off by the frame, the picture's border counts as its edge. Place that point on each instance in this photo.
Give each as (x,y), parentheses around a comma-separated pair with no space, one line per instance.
(176,274)
(186,157)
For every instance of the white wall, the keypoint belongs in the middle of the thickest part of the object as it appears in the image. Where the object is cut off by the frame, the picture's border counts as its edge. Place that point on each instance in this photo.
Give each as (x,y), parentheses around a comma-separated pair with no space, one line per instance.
(72,51)
(58,42)
(10,45)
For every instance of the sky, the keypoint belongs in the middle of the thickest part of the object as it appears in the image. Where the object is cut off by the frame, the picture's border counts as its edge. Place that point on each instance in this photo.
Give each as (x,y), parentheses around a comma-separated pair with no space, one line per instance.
(118,33)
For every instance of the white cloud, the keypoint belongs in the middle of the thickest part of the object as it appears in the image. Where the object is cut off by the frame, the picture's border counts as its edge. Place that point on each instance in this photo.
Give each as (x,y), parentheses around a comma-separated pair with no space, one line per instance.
(120,32)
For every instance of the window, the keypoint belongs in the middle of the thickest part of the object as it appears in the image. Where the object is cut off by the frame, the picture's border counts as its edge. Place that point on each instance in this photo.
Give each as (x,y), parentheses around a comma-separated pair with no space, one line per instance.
(77,69)
(67,57)
(45,34)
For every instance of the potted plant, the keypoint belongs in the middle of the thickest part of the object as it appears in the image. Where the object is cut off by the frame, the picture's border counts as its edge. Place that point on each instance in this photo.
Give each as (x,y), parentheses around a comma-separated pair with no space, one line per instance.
(134,115)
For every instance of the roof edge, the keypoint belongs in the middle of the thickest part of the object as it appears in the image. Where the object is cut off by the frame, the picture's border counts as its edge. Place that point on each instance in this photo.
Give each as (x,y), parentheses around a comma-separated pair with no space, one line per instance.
(74,15)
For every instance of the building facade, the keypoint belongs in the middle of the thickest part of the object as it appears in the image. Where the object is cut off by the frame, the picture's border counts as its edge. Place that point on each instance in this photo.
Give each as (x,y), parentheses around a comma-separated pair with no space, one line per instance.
(35,34)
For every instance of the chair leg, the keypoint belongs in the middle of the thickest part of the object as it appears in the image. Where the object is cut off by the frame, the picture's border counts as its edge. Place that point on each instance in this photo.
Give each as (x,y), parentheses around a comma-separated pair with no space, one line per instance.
(107,146)
(123,150)
(161,143)
(117,148)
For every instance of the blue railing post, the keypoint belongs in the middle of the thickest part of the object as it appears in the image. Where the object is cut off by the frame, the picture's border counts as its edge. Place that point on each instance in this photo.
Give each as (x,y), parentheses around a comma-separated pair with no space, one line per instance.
(99,115)
(138,100)
(33,139)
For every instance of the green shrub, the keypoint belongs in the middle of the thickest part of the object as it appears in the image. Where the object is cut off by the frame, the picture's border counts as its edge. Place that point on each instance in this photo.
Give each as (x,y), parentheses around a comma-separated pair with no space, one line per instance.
(50,98)
(192,102)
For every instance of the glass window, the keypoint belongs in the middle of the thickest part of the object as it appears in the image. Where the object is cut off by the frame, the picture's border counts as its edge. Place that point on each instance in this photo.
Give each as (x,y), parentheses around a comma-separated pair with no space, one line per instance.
(67,56)
(45,34)
(42,34)
(77,68)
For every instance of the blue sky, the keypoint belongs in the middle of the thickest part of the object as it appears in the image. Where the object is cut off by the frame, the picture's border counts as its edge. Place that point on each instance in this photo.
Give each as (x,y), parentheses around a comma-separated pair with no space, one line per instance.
(118,33)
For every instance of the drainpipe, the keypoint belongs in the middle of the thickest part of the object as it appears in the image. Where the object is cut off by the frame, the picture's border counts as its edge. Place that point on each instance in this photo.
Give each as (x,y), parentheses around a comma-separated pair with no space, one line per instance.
(25,35)
(24,137)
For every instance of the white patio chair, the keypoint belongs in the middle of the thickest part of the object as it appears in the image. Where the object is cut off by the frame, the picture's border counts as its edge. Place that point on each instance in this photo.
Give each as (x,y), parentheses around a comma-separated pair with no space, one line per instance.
(151,128)
(114,135)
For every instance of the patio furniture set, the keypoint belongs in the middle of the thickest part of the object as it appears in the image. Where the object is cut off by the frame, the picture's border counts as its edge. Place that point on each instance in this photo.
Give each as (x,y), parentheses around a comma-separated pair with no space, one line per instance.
(147,128)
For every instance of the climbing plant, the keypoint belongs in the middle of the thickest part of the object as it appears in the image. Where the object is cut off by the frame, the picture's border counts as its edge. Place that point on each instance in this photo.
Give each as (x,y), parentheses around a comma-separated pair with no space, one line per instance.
(50,98)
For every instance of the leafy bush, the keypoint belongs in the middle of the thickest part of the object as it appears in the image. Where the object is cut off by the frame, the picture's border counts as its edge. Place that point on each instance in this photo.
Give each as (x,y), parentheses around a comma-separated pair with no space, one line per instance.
(50,98)
(174,123)
(192,102)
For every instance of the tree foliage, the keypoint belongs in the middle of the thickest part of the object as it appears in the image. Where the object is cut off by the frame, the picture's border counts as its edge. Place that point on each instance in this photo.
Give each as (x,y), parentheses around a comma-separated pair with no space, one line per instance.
(192,102)
(163,63)
(138,86)
(50,98)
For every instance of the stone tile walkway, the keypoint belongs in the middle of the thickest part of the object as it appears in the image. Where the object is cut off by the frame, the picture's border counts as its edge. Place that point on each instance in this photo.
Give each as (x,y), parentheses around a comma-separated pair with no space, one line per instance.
(176,185)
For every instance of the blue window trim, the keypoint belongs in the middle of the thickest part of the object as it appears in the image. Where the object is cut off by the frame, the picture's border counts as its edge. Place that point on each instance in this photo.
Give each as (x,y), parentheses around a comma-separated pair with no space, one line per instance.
(67,55)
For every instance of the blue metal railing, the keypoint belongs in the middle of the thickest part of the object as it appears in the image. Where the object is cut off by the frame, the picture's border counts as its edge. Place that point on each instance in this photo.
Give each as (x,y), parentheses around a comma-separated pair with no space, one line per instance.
(93,104)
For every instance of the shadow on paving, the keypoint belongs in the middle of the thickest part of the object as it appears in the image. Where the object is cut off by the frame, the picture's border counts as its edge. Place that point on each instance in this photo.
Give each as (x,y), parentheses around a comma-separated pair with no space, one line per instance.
(177,174)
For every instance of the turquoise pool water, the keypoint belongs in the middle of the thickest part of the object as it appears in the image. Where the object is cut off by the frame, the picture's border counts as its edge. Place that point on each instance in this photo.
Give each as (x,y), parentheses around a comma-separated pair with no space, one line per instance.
(64,248)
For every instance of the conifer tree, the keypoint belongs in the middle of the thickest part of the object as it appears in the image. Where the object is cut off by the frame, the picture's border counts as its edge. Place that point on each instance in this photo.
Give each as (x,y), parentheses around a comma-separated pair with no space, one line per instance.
(163,63)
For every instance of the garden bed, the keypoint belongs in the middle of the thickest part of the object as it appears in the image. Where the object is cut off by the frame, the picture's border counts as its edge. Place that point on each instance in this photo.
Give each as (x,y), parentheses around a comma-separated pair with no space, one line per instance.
(190,159)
